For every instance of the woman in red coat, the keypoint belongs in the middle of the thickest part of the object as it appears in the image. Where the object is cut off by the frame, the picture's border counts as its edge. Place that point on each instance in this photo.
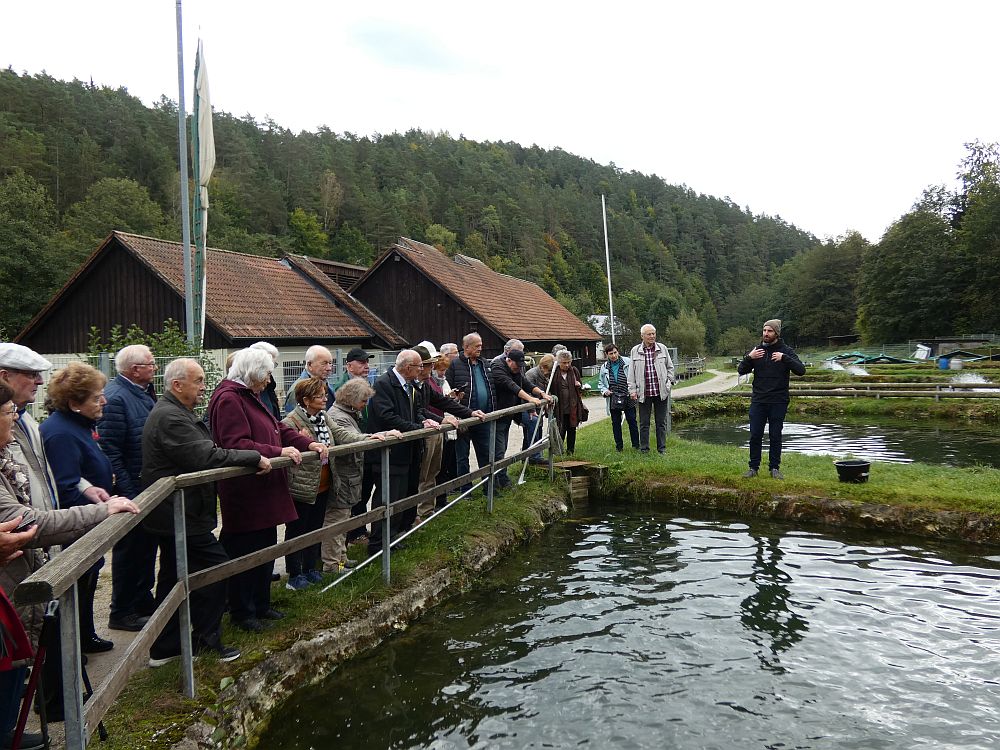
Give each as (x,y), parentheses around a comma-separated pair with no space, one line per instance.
(253,506)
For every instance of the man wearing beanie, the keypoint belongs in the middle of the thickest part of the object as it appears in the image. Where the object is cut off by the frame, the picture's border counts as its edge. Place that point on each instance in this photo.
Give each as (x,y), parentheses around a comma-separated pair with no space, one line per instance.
(770,362)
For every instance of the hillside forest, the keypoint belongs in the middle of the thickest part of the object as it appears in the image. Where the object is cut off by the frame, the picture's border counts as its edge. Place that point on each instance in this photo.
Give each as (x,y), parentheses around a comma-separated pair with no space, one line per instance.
(78,161)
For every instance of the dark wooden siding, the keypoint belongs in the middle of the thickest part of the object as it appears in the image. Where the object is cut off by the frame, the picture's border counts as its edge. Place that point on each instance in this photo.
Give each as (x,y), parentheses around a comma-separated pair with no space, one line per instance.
(117,289)
(416,307)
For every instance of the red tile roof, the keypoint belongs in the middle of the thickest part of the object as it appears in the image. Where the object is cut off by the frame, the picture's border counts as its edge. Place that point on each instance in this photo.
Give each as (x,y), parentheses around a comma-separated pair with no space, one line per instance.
(314,269)
(250,296)
(512,307)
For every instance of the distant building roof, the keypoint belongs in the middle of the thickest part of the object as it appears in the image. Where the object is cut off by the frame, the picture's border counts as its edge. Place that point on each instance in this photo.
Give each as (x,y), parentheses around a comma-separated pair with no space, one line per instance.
(342,274)
(248,296)
(512,307)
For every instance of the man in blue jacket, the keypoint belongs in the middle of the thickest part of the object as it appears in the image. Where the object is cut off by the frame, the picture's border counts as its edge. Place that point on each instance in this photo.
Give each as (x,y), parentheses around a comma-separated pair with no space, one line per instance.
(770,361)
(133,565)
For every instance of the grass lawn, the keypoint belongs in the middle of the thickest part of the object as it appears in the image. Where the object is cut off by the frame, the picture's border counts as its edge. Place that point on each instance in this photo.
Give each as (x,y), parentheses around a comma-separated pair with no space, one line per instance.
(921,485)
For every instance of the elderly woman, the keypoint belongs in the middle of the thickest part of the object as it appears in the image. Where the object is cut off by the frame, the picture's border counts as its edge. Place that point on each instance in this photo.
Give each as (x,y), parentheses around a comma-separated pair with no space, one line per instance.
(52,527)
(76,402)
(253,506)
(567,386)
(309,483)
(538,376)
(613,382)
(352,397)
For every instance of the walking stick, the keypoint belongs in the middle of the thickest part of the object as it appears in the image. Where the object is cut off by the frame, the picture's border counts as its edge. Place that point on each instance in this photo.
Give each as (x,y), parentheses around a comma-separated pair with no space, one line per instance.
(548,387)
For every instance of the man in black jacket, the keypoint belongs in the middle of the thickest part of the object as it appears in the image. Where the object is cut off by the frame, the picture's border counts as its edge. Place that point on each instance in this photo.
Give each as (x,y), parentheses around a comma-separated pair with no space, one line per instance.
(175,441)
(511,386)
(469,375)
(771,362)
(397,405)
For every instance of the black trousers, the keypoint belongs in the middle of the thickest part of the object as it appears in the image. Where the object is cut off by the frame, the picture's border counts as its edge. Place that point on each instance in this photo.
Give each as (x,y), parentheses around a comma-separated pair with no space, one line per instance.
(403,482)
(310,518)
(448,469)
(133,574)
(249,592)
(207,604)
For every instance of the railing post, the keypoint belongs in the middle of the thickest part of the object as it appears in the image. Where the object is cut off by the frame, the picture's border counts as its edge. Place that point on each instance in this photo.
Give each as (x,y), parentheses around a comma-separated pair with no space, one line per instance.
(493,459)
(548,426)
(670,406)
(184,611)
(72,669)
(386,541)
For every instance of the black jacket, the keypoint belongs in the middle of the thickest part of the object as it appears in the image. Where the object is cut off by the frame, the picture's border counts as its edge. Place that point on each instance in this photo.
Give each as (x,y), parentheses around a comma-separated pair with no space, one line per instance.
(770,379)
(175,441)
(430,397)
(459,376)
(389,409)
(506,385)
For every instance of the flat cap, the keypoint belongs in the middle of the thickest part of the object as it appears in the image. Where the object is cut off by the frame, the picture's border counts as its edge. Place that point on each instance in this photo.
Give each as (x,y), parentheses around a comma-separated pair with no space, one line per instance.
(17,357)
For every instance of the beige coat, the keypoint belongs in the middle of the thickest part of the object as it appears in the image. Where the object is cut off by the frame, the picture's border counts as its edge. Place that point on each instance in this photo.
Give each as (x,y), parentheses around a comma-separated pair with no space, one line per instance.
(54,527)
(303,480)
(637,371)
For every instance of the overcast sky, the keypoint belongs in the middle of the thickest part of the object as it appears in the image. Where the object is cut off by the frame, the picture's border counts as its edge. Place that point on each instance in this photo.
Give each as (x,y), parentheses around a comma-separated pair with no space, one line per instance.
(833,115)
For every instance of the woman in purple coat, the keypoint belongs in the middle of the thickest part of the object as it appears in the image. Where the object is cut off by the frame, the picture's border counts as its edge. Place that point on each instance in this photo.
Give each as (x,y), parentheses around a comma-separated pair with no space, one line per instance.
(253,506)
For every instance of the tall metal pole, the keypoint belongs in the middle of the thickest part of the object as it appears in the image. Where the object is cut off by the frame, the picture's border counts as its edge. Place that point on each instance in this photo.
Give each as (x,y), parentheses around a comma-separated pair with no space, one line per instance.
(607,259)
(182,152)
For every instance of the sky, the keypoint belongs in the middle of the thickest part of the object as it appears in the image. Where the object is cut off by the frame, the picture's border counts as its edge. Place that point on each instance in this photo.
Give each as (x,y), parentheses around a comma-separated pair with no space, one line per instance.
(832,115)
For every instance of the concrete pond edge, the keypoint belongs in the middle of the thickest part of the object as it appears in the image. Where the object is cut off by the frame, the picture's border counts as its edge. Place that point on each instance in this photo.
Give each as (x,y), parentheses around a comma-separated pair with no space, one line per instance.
(944,525)
(251,699)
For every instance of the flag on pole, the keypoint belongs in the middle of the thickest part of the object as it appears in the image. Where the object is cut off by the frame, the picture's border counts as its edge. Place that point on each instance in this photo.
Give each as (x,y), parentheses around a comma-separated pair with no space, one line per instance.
(203,138)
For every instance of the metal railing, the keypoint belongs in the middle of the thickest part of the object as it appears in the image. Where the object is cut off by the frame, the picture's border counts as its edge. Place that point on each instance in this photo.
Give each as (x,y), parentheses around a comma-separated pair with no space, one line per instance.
(57,579)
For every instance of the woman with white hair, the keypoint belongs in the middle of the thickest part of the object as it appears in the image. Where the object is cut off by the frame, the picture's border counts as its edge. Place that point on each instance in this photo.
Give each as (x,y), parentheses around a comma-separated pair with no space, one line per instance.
(570,409)
(253,506)
(269,396)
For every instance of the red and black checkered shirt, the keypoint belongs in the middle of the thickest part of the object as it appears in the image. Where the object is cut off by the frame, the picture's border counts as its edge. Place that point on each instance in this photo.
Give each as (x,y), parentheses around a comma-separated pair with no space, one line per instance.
(652,382)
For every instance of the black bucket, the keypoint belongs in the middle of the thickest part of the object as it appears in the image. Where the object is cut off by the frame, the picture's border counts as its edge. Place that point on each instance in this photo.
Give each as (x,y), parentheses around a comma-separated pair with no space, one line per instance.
(853,470)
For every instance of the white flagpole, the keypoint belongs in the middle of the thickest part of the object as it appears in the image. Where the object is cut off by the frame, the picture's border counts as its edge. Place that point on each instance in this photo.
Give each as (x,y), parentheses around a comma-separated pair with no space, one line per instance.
(607,259)
(182,148)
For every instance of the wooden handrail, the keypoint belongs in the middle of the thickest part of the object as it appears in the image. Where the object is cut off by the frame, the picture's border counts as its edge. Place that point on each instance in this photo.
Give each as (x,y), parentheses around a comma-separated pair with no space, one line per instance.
(53,579)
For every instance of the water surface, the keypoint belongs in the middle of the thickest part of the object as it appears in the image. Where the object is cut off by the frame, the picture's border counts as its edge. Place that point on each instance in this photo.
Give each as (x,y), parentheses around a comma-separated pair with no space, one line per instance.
(873,438)
(642,630)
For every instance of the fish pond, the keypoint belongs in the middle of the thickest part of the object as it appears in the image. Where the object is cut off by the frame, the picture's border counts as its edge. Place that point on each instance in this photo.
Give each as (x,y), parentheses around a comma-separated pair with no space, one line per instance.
(626,627)
(874,438)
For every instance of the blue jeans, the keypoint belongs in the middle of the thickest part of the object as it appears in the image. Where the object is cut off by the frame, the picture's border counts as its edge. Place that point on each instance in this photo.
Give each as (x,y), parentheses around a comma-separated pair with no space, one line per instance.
(479,436)
(11,682)
(633,428)
(774,416)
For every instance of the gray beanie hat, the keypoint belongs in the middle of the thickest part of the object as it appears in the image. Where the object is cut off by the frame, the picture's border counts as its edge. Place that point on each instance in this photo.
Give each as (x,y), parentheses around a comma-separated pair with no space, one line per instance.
(775,324)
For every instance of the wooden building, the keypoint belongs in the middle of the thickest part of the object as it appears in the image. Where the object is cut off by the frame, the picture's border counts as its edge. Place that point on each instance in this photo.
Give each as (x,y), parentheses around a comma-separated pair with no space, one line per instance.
(425,294)
(292,302)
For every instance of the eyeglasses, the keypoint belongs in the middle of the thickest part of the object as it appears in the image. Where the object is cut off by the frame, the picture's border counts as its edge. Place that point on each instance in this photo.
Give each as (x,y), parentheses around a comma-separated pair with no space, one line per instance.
(145,364)
(11,412)
(33,374)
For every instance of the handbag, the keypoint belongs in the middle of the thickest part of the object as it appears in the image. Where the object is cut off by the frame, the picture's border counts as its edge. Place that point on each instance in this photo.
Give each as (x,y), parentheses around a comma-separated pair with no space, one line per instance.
(14,643)
(619,401)
(583,414)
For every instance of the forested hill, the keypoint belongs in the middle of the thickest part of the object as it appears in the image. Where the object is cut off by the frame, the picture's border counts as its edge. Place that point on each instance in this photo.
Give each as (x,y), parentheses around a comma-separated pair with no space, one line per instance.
(77,161)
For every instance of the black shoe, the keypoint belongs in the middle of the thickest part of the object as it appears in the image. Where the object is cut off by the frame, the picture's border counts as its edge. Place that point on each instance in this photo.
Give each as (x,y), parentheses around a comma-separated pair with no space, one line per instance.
(775,474)
(29,741)
(750,473)
(94,644)
(619,448)
(131,622)
(224,653)
(249,625)
(272,614)
(275,577)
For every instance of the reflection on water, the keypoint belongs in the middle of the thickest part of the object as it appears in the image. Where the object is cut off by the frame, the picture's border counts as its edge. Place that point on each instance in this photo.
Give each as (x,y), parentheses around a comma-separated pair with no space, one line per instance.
(648,631)
(873,439)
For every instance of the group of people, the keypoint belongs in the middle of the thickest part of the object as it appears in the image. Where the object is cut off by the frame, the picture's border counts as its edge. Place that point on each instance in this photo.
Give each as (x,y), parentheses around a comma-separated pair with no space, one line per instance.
(103,443)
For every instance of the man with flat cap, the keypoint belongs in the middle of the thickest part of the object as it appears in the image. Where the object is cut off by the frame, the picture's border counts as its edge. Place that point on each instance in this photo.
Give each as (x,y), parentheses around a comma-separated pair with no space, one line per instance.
(770,361)
(511,387)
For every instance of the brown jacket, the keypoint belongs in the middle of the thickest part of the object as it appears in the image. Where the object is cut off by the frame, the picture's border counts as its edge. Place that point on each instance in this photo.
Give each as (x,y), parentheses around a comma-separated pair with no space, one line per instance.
(569,395)
(54,527)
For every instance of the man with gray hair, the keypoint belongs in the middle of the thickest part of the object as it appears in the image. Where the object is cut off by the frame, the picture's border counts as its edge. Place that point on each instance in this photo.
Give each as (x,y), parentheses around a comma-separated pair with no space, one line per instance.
(175,441)
(397,405)
(449,350)
(319,364)
(650,377)
(131,397)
